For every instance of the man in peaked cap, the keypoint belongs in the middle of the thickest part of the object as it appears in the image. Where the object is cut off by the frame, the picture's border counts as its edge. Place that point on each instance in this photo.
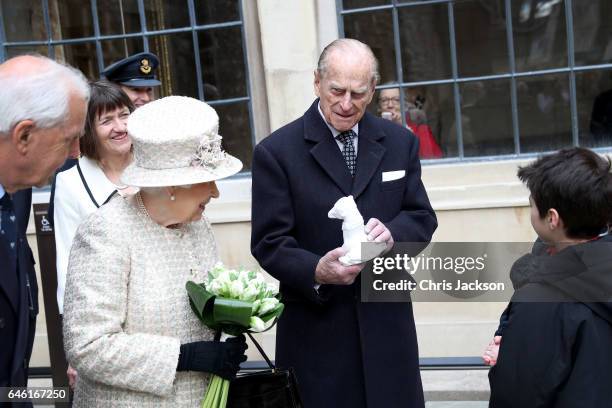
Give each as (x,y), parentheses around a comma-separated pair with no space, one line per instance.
(136,76)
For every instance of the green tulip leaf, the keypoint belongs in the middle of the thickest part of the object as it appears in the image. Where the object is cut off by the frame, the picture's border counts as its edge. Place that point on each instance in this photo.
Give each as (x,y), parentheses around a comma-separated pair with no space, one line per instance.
(202,302)
(274,313)
(230,315)
(199,296)
(232,311)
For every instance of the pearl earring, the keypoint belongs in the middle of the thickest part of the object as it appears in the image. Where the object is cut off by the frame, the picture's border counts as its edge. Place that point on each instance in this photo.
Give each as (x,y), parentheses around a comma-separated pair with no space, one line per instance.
(172,197)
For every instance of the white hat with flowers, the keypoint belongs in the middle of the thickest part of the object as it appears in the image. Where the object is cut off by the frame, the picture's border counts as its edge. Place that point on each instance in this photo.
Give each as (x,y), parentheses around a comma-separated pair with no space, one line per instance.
(176,142)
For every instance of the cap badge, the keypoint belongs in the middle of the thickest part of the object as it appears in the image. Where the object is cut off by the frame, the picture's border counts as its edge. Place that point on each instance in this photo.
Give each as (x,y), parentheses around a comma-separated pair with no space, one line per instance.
(145,68)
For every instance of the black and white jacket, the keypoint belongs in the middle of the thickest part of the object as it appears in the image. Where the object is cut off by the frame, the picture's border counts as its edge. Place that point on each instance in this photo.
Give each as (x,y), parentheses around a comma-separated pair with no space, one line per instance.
(79,191)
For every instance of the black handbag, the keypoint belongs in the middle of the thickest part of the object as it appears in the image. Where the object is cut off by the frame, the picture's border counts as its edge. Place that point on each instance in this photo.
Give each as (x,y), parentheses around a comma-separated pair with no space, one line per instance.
(272,388)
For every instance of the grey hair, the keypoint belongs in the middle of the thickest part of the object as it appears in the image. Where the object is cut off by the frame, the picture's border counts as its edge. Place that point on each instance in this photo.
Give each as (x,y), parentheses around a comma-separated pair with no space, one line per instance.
(347,44)
(42,98)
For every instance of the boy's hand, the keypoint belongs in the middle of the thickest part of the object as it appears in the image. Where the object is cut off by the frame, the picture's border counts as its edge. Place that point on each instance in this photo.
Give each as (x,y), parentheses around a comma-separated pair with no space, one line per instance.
(490,354)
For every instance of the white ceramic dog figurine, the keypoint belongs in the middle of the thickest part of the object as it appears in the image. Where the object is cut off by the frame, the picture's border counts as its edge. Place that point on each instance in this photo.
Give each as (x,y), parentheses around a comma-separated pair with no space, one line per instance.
(353,232)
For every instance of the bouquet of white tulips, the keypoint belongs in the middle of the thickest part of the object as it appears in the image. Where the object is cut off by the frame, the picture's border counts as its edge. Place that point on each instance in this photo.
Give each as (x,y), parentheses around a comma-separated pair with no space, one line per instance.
(233,302)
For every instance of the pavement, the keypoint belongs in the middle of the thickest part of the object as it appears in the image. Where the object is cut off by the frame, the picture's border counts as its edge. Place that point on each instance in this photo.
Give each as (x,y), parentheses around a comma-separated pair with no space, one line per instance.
(459,388)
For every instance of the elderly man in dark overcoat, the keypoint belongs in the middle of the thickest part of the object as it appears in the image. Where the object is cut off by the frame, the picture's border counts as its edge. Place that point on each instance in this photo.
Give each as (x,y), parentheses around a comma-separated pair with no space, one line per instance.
(18,306)
(346,353)
(42,114)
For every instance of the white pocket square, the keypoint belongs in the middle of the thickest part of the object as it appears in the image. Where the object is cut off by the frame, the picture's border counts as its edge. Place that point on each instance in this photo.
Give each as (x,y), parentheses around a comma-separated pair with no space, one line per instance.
(393,175)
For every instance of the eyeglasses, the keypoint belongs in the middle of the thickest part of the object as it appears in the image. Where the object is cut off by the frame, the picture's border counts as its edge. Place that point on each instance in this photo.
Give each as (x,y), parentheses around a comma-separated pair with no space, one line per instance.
(394,99)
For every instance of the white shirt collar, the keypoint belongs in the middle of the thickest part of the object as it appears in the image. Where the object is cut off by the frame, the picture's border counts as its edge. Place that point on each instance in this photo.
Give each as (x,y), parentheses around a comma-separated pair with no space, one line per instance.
(331,128)
(101,187)
(2,192)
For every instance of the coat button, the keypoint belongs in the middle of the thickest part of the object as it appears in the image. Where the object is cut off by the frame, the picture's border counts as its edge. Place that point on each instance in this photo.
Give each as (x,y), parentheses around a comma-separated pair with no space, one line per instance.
(2,324)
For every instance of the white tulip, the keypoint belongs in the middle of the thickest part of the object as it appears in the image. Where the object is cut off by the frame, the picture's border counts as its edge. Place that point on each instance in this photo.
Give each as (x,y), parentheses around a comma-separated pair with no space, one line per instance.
(272,289)
(257,324)
(224,277)
(249,293)
(268,324)
(255,308)
(267,304)
(236,289)
(215,287)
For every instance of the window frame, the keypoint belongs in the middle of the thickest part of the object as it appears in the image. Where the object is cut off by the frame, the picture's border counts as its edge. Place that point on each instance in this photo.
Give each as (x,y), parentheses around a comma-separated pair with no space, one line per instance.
(258,120)
(571,69)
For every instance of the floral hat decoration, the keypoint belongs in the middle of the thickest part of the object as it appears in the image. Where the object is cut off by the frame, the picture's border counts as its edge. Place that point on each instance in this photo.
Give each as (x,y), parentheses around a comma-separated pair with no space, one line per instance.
(176,142)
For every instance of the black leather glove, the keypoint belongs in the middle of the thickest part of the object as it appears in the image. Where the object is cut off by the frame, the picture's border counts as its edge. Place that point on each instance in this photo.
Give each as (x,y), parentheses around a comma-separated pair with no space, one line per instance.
(220,358)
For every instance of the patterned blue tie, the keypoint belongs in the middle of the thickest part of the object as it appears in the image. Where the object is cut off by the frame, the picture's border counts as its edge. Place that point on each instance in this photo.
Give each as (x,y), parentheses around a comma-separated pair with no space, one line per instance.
(8,238)
(348,152)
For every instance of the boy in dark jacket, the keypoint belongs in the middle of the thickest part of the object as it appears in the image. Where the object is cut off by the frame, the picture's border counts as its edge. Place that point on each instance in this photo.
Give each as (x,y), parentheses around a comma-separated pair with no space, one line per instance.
(555,336)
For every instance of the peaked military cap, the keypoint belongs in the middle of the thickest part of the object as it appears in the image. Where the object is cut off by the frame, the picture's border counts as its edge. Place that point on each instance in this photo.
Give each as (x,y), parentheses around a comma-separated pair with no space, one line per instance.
(137,70)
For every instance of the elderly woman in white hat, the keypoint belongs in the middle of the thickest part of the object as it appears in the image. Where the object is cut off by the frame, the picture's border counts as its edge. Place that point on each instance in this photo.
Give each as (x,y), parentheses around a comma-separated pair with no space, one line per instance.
(129,330)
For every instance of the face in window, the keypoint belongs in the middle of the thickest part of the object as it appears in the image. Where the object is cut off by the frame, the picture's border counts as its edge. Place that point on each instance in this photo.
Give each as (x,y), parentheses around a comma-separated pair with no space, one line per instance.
(139,95)
(111,132)
(345,89)
(389,101)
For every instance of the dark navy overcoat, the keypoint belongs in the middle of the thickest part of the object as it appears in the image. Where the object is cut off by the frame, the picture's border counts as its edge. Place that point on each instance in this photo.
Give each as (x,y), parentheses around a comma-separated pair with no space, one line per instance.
(18,300)
(346,353)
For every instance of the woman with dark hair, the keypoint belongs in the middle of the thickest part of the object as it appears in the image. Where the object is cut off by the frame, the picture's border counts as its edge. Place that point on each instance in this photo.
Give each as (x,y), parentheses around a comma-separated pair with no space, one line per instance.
(106,150)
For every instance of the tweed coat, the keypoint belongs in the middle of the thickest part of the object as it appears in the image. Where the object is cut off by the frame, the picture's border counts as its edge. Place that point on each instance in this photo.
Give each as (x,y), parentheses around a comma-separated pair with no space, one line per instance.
(126,310)
(346,353)
(18,309)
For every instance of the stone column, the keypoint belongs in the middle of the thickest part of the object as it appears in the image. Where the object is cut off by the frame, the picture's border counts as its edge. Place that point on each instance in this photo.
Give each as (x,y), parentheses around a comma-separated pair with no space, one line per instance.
(290,52)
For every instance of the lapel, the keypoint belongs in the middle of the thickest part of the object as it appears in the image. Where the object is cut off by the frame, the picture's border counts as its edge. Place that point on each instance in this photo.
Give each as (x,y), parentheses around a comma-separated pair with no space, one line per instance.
(369,154)
(95,180)
(7,271)
(326,151)
(23,201)
(9,279)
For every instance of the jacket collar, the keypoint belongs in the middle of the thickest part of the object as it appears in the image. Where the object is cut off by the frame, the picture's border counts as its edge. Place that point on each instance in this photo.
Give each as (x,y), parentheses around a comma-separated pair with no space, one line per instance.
(328,155)
(580,272)
(100,186)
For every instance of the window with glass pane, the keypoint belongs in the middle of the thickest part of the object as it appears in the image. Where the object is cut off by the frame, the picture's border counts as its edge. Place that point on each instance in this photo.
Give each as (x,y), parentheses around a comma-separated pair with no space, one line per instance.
(592,31)
(425,42)
(118,16)
(523,76)
(217,11)
(482,48)
(72,19)
(540,34)
(428,112)
(206,59)
(375,28)
(222,63)
(594,93)
(177,71)
(486,121)
(114,50)
(544,112)
(353,4)
(23,20)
